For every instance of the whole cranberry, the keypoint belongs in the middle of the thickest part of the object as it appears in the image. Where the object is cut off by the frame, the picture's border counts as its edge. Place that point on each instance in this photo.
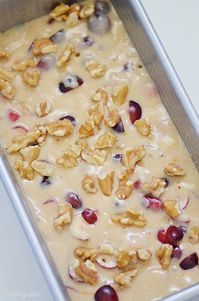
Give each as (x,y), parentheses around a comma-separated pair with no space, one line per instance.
(174,235)
(106,293)
(74,199)
(189,262)
(90,216)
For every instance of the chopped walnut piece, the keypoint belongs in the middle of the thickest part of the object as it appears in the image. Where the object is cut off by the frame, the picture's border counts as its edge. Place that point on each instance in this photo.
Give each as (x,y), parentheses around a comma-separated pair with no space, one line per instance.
(59,13)
(87,10)
(95,69)
(96,113)
(130,217)
(143,127)
(125,188)
(4,54)
(60,128)
(65,215)
(75,7)
(87,129)
(107,140)
(22,65)
(124,258)
(25,170)
(113,118)
(94,157)
(72,19)
(193,234)
(132,156)
(31,77)
(43,108)
(106,249)
(5,74)
(86,253)
(88,183)
(100,96)
(174,170)
(119,94)
(172,208)
(156,186)
(124,279)
(43,46)
(6,89)
(65,56)
(144,255)
(106,183)
(164,254)
(30,153)
(21,141)
(43,168)
(68,159)
(43,136)
(87,271)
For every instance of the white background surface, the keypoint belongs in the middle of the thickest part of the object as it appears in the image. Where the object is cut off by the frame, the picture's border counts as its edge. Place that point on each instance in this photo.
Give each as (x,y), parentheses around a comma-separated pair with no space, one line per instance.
(177,23)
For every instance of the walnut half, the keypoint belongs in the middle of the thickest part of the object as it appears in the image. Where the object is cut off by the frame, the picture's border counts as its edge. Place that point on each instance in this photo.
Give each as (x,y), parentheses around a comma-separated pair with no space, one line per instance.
(124,279)
(174,170)
(86,253)
(87,271)
(164,254)
(88,183)
(65,215)
(106,183)
(130,217)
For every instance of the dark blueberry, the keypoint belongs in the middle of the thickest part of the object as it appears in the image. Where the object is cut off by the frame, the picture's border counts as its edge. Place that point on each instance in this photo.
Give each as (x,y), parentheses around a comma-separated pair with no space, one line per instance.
(57,37)
(64,89)
(135,111)
(69,117)
(99,23)
(46,181)
(119,127)
(88,41)
(102,6)
(118,157)
(70,82)
(189,262)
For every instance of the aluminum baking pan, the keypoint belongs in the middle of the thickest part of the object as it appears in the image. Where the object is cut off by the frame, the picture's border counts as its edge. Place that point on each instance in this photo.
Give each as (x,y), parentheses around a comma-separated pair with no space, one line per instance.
(173,95)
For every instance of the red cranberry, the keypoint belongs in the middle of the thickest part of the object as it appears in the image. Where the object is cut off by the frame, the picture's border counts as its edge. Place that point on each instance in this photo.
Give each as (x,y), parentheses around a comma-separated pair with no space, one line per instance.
(174,235)
(13,115)
(135,111)
(106,293)
(90,216)
(74,200)
(177,252)
(153,202)
(162,236)
(69,117)
(137,184)
(46,180)
(119,127)
(189,262)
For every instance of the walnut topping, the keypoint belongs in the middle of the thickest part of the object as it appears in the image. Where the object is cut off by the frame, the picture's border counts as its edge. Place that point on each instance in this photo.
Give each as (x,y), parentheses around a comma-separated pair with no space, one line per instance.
(94,157)
(43,46)
(125,187)
(132,156)
(87,271)
(43,168)
(74,8)
(87,10)
(106,249)
(6,89)
(4,54)
(143,255)
(68,159)
(173,170)
(42,138)
(193,234)
(119,94)
(124,279)
(88,183)
(21,141)
(43,108)
(59,13)
(30,153)
(143,127)
(65,57)
(171,207)
(96,113)
(106,183)
(31,77)
(5,74)
(156,186)
(72,19)
(130,217)
(95,69)
(164,254)
(65,215)
(86,253)
(25,170)
(106,140)
(87,129)
(100,96)
(124,258)
(60,128)
(22,65)
(113,118)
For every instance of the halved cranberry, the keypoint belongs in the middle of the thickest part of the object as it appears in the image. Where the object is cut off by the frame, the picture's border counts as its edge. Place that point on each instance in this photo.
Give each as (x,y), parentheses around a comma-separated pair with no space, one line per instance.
(99,23)
(74,199)
(57,37)
(21,127)
(13,115)
(46,62)
(135,111)
(137,184)
(88,41)
(162,236)
(90,216)
(189,262)
(69,117)
(177,252)
(119,127)
(106,293)
(152,202)
(118,157)
(46,180)
(174,235)
(70,82)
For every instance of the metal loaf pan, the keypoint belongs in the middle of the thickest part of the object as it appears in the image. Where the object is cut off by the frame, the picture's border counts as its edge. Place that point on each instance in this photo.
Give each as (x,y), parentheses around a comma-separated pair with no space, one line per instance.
(174,97)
